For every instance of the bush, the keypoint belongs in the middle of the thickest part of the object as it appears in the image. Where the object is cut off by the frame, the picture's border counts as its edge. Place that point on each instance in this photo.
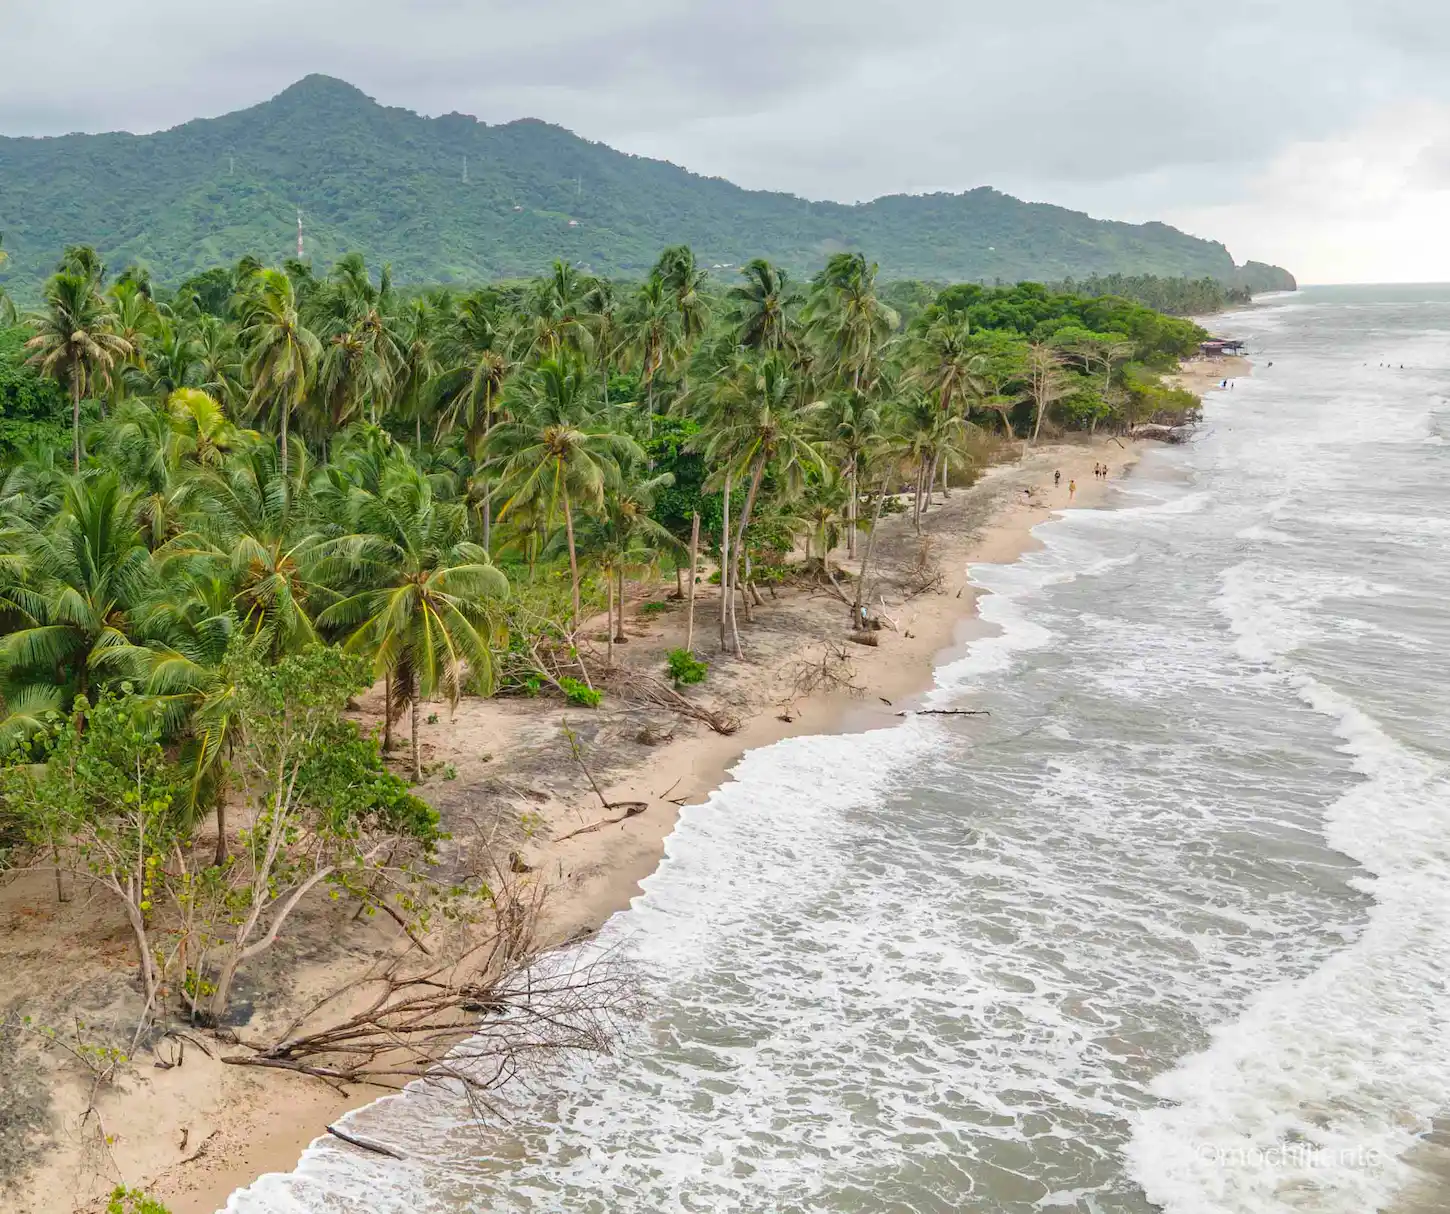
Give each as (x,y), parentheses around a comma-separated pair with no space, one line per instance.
(580,693)
(686,668)
(655,608)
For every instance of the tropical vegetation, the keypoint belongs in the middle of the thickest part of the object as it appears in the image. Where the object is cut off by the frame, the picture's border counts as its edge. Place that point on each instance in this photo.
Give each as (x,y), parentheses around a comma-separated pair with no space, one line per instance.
(232,508)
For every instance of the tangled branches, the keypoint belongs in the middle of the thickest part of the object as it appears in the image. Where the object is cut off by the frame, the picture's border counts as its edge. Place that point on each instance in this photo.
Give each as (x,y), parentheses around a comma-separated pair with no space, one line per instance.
(633,687)
(498,1008)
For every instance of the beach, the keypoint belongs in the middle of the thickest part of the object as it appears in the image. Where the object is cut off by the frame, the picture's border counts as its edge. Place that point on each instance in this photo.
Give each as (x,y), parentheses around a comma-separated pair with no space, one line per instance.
(193,1133)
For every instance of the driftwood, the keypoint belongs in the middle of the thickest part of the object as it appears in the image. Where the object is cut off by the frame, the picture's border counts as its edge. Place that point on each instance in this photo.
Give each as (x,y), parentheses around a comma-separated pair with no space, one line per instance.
(632,809)
(363,1144)
(863,637)
(946,712)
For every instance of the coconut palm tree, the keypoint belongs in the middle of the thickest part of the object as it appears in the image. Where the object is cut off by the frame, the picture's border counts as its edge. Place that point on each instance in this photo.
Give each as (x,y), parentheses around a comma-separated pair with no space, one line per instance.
(555,453)
(760,311)
(848,320)
(850,423)
(758,420)
(256,529)
(78,583)
(624,537)
(426,612)
(653,324)
(74,344)
(282,354)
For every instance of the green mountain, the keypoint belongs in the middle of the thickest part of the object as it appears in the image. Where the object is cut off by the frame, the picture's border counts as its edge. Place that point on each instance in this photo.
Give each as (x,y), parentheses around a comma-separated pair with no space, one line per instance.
(453,199)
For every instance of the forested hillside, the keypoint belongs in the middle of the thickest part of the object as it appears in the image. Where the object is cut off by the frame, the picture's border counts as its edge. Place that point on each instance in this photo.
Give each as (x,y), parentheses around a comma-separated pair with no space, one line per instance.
(451,199)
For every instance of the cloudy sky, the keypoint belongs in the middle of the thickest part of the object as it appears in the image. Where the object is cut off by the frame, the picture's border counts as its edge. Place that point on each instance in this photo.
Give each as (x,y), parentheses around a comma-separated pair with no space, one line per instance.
(1312,133)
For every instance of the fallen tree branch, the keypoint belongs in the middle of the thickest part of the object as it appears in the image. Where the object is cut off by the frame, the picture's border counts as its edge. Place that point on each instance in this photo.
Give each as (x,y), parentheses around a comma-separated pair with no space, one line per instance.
(363,1144)
(946,712)
(632,809)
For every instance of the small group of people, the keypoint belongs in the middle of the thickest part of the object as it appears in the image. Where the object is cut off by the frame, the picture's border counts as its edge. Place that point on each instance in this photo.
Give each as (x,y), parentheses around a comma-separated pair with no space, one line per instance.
(1100,470)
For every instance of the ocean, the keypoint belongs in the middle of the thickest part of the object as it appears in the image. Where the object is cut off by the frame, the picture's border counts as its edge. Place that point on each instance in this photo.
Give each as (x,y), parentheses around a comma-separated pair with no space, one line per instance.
(1169,929)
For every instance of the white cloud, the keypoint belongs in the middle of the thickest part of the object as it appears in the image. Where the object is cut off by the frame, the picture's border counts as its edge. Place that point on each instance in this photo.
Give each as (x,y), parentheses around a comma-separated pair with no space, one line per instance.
(1367,205)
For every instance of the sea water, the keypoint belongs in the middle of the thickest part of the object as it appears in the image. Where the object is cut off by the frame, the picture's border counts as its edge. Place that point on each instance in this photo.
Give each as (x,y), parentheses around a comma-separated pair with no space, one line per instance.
(1169,929)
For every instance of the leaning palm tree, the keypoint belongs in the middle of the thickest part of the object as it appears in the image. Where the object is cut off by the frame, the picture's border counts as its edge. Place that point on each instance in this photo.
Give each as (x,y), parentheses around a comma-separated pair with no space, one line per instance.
(426,612)
(281,352)
(556,454)
(74,344)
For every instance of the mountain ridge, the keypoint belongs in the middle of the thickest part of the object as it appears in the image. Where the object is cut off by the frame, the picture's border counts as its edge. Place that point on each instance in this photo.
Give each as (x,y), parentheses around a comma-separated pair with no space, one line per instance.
(453,199)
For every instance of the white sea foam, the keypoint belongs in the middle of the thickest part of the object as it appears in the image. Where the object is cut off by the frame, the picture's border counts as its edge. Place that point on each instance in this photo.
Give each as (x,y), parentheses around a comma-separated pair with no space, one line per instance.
(1308,1099)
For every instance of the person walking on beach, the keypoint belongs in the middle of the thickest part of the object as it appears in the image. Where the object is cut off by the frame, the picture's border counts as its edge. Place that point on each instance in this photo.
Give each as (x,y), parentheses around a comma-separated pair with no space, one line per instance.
(1071,490)
(1057,478)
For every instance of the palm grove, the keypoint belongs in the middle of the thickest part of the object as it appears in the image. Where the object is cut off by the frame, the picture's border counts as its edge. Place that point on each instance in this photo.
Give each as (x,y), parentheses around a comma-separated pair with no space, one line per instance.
(232,506)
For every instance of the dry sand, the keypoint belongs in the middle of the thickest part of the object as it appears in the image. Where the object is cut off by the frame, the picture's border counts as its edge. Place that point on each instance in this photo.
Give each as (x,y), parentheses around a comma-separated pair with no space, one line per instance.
(192,1134)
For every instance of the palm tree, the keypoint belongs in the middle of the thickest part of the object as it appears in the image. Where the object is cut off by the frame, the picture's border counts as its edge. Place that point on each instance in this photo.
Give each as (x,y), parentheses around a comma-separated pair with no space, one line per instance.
(685,283)
(418,366)
(850,423)
(73,342)
(625,537)
(758,420)
(555,453)
(78,584)
(556,311)
(760,310)
(848,319)
(282,353)
(426,612)
(189,686)
(653,325)
(255,529)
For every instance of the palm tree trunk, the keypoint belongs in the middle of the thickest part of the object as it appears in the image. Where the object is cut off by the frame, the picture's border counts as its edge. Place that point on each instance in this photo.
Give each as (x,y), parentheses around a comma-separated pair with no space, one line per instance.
(417,764)
(573,556)
(856,611)
(930,483)
(694,550)
(852,507)
(487,515)
(221,830)
(285,412)
(725,565)
(916,500)
(946,490)
(75,406)
(387,712)
(737,562)
(609,620)
(619,636)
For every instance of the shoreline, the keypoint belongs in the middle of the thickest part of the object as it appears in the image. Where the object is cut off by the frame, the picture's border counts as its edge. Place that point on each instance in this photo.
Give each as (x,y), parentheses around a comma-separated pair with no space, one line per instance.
(937,631)
(190,1136)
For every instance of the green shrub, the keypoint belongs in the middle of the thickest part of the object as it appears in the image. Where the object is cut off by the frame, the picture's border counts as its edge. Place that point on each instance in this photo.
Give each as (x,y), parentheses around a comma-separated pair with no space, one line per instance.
(655,608)
(686,668)
(580,693)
